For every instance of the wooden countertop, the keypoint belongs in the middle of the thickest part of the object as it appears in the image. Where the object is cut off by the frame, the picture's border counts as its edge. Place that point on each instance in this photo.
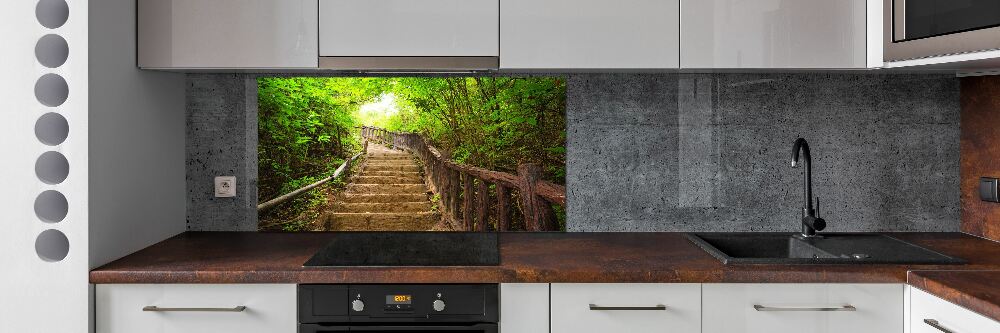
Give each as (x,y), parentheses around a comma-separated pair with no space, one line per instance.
(253,257)
(978,291)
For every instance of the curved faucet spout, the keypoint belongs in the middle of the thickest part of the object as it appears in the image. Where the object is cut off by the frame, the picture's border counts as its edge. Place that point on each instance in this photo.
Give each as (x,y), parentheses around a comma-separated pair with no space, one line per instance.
(810,222)
(803,146)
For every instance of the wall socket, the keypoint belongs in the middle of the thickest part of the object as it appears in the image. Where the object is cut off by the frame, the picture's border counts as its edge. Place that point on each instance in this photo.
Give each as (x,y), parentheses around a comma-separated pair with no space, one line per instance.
(225,186)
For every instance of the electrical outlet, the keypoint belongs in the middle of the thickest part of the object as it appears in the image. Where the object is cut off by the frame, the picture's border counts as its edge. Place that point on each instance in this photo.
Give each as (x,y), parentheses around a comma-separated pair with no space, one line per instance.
(225,186)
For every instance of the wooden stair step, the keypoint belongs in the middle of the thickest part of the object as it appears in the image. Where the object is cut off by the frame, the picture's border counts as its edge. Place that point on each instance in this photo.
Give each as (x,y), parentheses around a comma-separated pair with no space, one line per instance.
(384,207)
(383,198)
(386,188)
(365,179)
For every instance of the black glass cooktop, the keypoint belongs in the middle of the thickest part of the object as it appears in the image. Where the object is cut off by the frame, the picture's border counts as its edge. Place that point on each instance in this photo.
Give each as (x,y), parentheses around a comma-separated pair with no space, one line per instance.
(409,249)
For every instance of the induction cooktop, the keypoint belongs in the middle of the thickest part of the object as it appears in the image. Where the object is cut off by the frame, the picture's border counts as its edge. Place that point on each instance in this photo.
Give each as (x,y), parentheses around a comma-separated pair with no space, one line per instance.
(409,249)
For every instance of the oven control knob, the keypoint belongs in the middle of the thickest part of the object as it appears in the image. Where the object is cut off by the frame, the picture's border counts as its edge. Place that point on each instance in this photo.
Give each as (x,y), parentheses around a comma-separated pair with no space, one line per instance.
(438,305)
(358,305)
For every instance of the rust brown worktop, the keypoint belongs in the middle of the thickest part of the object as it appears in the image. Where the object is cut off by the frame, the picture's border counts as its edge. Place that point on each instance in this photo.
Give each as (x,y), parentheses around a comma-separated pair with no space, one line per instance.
(251,257)
(978,291)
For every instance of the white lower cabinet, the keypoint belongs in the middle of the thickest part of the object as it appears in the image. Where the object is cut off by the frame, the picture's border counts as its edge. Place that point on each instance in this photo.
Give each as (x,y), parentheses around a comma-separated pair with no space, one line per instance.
(633,308)
(188,308)
(930,314)
(803,308)
(524,308)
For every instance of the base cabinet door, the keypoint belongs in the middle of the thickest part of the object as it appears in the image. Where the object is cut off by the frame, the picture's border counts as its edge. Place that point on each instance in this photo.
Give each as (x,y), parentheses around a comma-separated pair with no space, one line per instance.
(633,308)
(930,314)
(524,308)
(803,308)
(189,308)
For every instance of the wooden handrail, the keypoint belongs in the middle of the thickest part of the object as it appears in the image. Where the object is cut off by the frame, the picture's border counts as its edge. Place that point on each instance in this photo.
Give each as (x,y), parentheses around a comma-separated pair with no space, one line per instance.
(468,186)
(287,196)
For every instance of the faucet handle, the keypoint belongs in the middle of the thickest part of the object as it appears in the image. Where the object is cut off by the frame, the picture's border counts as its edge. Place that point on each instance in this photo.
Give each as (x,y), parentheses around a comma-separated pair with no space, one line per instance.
(817,206)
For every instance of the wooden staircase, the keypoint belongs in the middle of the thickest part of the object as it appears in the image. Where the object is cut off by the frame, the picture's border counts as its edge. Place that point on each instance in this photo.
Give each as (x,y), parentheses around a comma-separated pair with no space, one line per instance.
(388,194)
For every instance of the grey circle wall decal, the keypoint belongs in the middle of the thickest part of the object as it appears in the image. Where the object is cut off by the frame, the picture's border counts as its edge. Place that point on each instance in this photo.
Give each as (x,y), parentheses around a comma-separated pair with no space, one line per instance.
(51,51)
(51,129)
(51,206)
(52,167)
(51,90)
(52,13)
(52,245)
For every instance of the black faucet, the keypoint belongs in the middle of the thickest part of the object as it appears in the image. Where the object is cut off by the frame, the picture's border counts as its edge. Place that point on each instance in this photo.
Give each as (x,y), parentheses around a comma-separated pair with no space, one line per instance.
(810,221)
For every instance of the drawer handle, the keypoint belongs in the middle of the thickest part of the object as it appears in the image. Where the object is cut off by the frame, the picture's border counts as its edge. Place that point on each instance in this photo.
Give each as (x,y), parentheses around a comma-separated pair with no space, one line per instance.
(935,324)
(759,307)
(159,309)
(596,307)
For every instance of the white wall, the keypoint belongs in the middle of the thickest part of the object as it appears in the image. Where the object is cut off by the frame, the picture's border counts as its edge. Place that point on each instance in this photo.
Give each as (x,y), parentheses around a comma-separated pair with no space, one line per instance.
(125,149)
(137,185)
(38,295)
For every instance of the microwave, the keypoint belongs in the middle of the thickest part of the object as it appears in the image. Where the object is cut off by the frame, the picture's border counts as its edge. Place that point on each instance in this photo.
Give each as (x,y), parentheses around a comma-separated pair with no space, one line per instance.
(915,29)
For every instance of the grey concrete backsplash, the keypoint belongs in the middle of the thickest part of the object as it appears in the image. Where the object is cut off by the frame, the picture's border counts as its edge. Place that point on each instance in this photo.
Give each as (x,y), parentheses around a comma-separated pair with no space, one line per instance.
(684,152)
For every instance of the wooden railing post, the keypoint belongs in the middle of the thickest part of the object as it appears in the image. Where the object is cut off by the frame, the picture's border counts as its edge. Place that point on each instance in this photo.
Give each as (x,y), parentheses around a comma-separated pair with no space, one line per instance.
(538,215)
(453,189)
(503,208)
(468,194)
(484,206)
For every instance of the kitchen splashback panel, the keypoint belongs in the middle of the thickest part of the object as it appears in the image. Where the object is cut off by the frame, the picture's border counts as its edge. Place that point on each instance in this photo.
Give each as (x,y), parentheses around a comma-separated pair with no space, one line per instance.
(685,152)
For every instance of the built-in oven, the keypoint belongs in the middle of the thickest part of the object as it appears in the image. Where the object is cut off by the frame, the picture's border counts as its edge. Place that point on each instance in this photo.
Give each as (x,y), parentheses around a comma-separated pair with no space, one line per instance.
(916,29)
(376,308)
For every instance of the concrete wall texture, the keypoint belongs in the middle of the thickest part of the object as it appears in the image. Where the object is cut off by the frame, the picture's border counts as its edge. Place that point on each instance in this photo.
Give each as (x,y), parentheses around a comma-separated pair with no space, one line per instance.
(221,141)
(684,152)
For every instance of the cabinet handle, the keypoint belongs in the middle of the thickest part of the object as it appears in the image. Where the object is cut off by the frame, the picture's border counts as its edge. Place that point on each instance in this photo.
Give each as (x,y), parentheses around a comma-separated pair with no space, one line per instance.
(759,307)
(159,309)
(935,324)
(596,307)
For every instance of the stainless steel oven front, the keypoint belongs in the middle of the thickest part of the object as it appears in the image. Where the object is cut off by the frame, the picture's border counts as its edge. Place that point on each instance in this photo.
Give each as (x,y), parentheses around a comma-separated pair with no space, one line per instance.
(914,29)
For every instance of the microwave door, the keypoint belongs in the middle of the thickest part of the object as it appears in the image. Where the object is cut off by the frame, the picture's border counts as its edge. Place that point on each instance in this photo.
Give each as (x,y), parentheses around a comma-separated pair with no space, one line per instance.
(916,19)
(916,29)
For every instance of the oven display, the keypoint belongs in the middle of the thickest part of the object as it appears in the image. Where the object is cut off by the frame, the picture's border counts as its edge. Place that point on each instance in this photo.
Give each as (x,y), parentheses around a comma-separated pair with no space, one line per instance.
(398,299)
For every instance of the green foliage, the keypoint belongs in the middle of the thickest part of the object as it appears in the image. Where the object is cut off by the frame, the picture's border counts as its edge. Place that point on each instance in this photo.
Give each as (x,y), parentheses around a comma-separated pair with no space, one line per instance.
(490,122)
(306,126)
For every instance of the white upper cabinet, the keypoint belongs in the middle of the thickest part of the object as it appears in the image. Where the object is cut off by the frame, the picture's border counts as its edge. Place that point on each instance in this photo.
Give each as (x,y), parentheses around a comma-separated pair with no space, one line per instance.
(227,34)
(589,34)
(780,34)
(408,28)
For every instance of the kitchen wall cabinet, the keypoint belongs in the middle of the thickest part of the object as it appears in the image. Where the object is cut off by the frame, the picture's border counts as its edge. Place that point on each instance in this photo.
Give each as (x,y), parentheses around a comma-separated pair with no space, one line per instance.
(270,308)
(524,308)
(222,34)
(634,308)
(780,34)
(802,308)
(930,314)
(589,34)
(405,28)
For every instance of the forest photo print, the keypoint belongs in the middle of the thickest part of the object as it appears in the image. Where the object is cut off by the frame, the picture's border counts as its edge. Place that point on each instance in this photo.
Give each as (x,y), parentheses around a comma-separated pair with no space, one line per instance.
(412,153)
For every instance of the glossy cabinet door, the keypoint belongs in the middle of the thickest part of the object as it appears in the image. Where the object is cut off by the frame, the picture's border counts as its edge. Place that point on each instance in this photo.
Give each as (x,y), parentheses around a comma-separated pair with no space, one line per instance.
(802,308)
(633,308)
(930,314)
(221,34)
(589,34)
(408,28)
(524,308)
(196,308)
(775,34)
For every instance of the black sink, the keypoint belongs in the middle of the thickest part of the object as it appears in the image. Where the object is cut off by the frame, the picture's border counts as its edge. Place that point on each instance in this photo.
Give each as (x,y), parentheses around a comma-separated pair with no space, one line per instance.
(837,248)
